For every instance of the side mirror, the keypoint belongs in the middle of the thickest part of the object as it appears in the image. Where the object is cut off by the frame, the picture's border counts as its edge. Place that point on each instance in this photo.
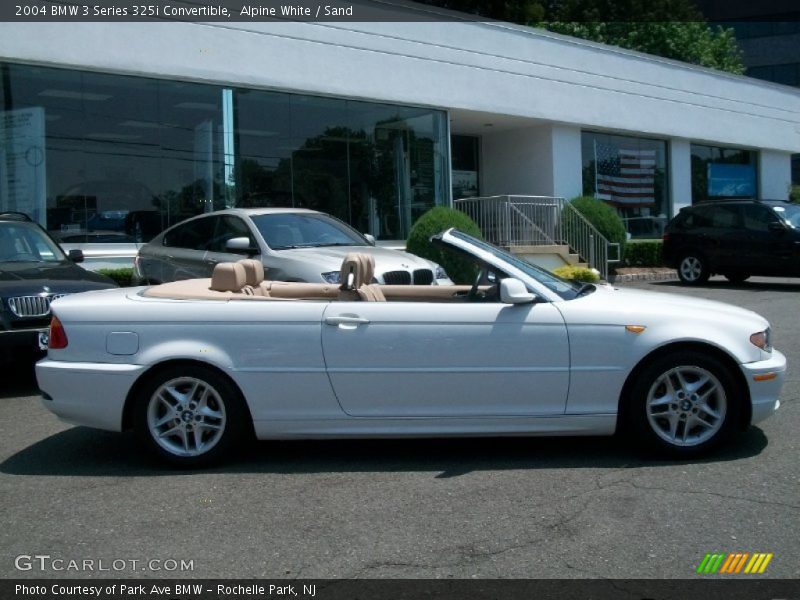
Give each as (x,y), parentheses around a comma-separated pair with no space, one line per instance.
(240,245)
(513,291)
(76,256)
(370,238)
(777,226)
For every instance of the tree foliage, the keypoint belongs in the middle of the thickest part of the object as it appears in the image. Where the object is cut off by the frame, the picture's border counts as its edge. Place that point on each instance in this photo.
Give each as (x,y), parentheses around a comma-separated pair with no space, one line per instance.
(673,29)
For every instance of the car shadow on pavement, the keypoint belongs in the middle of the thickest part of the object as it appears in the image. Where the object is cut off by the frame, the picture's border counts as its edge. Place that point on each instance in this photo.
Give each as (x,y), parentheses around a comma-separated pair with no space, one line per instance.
(724,284)
(81,451)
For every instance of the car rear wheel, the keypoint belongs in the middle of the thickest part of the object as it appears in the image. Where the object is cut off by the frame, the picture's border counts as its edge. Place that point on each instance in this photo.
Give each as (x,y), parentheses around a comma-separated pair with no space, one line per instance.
(693,269)
(683,404)
(189,416)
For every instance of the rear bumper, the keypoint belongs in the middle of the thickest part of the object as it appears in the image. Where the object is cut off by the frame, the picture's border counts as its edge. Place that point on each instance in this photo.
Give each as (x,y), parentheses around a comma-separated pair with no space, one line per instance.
(765,380)
(91,394)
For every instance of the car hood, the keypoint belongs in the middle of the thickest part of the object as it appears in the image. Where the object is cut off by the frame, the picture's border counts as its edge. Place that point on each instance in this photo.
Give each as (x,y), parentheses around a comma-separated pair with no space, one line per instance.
(33,278)
(629,302)
(332,257)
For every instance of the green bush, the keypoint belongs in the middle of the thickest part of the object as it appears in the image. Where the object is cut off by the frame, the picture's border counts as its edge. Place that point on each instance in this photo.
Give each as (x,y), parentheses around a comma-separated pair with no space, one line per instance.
(645,253)
(436,220)
(122,277)
(794,194)
(604,218)
(574,273)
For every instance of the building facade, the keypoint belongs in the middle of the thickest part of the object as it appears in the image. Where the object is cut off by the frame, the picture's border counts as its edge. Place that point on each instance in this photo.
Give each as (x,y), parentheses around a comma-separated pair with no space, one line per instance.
(122,129)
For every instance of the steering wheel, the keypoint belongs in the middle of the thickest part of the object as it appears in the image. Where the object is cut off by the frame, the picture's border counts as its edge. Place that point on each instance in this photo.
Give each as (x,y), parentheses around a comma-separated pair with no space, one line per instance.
(475,295)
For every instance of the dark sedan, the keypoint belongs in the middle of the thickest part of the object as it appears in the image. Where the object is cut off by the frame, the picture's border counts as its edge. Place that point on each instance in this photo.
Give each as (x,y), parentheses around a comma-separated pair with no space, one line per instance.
(33,272)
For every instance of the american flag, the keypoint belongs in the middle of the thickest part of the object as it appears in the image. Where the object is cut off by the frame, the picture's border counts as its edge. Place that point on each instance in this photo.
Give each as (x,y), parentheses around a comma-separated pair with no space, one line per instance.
(625,177)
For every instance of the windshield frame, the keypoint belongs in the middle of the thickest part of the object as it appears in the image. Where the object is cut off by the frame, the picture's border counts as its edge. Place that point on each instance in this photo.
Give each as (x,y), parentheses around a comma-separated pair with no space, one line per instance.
(532,276)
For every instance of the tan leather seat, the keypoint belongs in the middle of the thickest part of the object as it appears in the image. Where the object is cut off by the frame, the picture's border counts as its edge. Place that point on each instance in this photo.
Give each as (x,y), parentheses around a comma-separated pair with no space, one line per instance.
(358,270)
(254,275)
(228,277)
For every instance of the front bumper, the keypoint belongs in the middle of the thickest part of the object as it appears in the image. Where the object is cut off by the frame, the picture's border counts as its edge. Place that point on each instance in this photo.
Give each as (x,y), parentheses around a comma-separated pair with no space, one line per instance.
(21,342)
(91,394)
(765,380)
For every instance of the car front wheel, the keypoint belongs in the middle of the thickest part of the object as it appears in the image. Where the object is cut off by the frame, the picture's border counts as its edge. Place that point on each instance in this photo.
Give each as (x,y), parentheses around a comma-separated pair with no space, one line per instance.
(693,269)
(683,404)
(190,416)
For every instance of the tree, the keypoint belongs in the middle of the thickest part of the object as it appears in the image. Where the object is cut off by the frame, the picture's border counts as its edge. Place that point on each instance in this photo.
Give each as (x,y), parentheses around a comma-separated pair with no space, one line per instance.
(670,28)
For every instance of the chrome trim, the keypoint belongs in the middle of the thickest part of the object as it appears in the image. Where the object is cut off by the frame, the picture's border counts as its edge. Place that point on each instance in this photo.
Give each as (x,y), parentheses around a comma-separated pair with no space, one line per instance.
(32,306)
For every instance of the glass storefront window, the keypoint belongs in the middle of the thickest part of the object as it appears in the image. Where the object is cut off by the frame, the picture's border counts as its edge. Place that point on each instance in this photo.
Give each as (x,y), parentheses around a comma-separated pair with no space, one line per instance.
(99,157)
(629,173)
(723,173)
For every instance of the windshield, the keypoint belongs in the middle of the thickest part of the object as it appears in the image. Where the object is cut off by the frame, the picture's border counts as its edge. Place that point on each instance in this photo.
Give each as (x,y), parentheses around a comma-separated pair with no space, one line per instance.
(790,213)
(25,242)
(566,289)
(282,231)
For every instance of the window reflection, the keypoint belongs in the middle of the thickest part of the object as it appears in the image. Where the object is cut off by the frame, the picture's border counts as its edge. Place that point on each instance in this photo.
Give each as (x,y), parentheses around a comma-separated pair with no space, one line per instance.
(109,157)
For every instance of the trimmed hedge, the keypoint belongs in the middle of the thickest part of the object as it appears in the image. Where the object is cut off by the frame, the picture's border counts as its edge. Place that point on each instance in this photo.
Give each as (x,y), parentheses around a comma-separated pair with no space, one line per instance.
(574,273)
(436,220)
(122,277)
(604,218)
(645,253)
(794,194)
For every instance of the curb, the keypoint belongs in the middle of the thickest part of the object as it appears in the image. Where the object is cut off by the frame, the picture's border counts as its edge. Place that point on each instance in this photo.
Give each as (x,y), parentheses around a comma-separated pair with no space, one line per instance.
(670,275)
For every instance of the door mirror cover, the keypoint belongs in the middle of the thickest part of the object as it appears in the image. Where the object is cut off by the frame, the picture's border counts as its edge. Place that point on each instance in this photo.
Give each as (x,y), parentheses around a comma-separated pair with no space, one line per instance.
(240,245)
(513,291)
(76,256)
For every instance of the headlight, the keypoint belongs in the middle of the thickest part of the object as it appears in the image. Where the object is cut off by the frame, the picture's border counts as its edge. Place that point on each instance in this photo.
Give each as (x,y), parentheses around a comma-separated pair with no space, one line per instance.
(332,276)
(440,273)
(762,339)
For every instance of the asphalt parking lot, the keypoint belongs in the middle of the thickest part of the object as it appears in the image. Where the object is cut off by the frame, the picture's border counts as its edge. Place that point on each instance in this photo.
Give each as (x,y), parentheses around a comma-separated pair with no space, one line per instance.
(486,508)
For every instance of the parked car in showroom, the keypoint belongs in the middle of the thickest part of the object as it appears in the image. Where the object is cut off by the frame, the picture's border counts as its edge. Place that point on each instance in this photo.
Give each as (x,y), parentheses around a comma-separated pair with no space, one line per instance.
(293,244)
(197,367)
(34,271)
(735,238)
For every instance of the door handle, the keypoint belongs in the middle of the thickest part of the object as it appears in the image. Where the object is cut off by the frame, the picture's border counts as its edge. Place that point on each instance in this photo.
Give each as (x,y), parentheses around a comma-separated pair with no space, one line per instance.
(346,321)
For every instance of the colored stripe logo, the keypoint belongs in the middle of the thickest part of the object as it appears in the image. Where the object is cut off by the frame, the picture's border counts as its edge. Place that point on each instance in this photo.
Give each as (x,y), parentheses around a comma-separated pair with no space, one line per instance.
(734,563)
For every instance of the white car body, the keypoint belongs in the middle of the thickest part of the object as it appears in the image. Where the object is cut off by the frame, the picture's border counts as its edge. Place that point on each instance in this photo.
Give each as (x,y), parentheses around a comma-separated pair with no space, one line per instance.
(320,368)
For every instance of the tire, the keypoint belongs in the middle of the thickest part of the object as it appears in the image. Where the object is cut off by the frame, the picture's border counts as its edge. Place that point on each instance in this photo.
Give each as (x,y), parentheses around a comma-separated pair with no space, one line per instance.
(693,269)
(737,277)
(683,404)
(190,416)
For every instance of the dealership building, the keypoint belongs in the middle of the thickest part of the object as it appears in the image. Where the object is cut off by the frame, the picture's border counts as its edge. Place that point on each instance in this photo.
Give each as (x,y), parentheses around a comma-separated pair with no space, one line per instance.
(128,127)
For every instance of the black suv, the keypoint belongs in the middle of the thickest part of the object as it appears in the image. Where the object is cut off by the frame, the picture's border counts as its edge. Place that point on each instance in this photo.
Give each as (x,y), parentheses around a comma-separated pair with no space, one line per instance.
(33,272)
(736,238)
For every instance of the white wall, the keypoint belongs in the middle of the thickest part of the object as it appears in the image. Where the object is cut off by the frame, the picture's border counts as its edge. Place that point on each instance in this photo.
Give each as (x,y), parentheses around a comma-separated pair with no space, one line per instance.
(774,175)
(518,162)
(494,68)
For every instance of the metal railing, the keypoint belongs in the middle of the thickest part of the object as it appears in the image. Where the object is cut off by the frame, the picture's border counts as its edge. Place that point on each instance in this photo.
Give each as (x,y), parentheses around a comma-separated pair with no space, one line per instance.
(540,221)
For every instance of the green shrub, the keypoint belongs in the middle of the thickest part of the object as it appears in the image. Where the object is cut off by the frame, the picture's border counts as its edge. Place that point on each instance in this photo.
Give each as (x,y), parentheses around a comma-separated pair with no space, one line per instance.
(122,277)
(645,253)
(574,273)
(436,220)
(794,194)
(604,218)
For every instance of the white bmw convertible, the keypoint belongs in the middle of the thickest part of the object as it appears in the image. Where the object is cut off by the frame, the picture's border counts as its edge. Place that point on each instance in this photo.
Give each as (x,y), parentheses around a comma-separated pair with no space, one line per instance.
(197,367)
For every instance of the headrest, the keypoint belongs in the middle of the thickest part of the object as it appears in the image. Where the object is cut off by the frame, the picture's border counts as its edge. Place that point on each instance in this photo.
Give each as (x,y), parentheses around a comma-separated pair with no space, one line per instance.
(228,277)
(362,268)
(253,271)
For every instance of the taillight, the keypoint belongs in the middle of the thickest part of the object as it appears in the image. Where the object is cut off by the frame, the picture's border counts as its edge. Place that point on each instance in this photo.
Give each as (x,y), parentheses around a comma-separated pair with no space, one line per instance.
(58,337)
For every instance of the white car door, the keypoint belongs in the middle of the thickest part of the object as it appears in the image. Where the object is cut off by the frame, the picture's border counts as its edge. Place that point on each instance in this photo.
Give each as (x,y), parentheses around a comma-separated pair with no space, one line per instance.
(418,359)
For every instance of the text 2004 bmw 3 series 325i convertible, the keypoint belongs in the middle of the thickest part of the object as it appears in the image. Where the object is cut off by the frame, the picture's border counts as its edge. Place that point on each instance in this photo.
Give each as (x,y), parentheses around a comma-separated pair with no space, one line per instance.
(199,366)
